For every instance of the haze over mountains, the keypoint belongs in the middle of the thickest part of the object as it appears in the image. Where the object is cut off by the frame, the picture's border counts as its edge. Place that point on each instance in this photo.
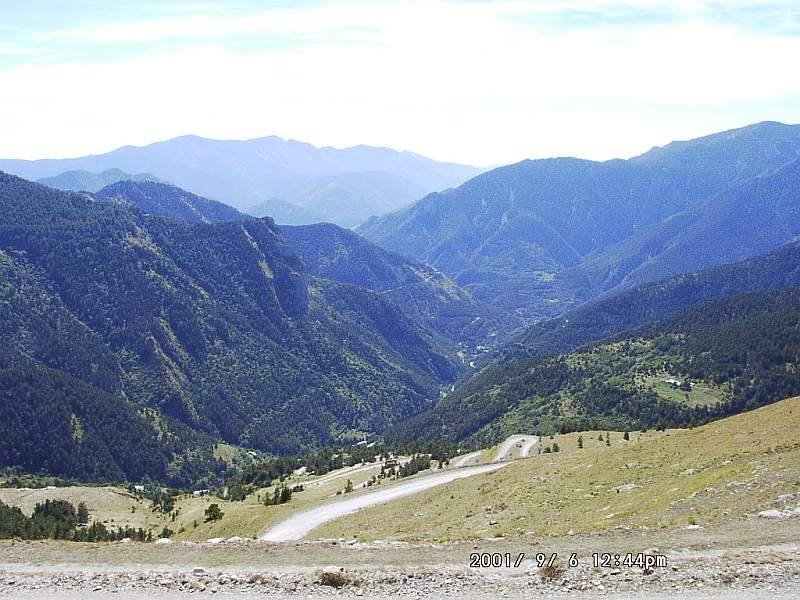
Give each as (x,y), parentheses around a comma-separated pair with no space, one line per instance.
(84,181)
(358,180)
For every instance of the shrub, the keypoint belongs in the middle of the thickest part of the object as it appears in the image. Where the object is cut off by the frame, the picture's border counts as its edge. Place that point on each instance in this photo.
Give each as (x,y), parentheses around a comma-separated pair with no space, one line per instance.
(334,578)
(550,572)
(214,513)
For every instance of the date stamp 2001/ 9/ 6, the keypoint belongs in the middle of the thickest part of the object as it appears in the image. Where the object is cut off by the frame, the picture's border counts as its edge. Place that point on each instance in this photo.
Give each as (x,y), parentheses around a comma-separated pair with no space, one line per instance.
(508,560)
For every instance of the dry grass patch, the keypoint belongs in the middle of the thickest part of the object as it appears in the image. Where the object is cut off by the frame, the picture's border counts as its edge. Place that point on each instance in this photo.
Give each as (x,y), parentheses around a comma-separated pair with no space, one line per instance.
(550,572)
(334,578)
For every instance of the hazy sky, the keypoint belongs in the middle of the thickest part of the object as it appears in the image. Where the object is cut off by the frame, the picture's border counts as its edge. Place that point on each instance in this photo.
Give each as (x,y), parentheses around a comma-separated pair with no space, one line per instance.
(482,82)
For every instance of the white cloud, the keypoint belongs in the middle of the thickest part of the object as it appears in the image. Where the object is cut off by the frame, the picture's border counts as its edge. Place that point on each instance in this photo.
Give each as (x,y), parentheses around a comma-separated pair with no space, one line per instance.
(468,81)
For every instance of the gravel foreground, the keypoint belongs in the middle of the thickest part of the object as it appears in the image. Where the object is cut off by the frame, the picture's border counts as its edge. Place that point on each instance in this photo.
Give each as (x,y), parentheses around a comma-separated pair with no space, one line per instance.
(752,560)
(764,573)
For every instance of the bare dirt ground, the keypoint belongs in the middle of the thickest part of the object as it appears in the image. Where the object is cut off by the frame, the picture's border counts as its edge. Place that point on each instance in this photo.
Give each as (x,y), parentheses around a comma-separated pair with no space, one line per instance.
(754,558)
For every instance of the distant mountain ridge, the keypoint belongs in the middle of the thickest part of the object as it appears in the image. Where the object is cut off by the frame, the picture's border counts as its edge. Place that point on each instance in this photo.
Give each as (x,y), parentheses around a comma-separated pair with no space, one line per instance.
(520,236)
(752,218)
(284,213)
(84,181)
(348,199)
(244,173)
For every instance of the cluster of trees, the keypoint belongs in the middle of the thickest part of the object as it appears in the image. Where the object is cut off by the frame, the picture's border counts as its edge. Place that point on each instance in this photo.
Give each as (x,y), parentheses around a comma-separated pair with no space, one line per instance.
(418,462)
(277,468)
(282,494)
(163,499)
(213,513)
(61,520)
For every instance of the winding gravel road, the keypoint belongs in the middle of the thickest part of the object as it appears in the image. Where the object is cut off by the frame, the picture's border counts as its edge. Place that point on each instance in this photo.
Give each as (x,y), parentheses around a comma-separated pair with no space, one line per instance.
(527,445)
(298,526)
(506,448)
(343,473)
(462,461)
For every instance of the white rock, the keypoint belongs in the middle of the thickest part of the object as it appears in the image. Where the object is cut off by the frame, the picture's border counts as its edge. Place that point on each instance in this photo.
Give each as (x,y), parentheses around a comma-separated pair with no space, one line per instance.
(163,541)
(773,513)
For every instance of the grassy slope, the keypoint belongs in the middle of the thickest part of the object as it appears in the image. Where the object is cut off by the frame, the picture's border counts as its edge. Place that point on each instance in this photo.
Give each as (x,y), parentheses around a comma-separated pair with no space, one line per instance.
(112,506)
(716,473)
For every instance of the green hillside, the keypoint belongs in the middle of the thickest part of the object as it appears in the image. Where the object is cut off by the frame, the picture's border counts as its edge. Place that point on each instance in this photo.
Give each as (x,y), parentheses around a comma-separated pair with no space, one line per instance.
(716,359)
(721,473)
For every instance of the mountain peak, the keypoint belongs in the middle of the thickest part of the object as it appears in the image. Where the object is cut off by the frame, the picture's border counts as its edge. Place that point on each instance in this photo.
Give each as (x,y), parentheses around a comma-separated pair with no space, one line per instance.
(244,173)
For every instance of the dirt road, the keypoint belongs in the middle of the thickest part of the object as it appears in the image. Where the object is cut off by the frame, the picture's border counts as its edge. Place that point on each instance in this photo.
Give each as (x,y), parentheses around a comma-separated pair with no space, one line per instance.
(505,451)
(466,459)
(297,526)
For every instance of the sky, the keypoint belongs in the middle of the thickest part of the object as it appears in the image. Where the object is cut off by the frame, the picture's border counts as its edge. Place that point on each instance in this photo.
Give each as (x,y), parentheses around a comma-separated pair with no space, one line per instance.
(478,82)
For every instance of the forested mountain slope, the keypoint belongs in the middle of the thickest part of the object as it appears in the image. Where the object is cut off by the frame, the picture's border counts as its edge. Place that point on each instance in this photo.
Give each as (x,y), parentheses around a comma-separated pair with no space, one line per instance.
(750,219)
(423,292)
(715,359)
(67,424)
(650,302)
(518,236)
(337,254)
(166,200)
(197,331)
